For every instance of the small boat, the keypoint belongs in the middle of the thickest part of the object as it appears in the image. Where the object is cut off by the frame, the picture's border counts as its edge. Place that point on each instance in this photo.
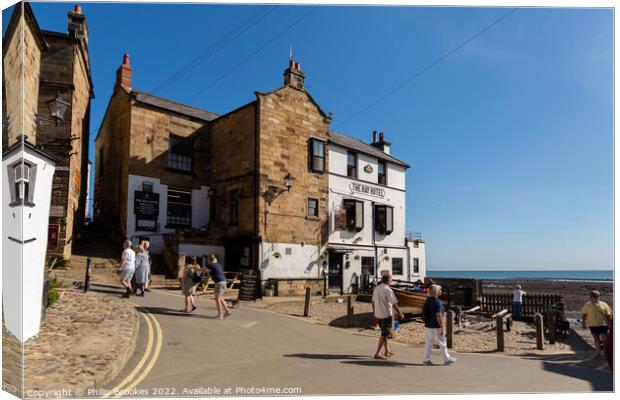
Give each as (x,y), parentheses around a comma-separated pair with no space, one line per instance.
(408,298)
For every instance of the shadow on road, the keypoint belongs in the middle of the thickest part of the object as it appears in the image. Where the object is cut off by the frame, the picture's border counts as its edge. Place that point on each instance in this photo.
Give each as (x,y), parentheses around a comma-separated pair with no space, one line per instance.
(173,312)
(363,360)
(327,356)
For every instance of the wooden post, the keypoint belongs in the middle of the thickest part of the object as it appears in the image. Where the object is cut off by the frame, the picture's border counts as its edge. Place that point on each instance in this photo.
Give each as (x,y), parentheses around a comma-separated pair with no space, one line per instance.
(450,328)
(551,327)
(538,321)
(509,323)
(307,303)
(499,327)
(349,311)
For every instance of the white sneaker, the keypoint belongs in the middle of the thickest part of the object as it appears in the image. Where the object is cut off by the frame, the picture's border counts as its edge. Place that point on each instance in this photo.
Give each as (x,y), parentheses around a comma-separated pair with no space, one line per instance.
(220,317)
(450,360)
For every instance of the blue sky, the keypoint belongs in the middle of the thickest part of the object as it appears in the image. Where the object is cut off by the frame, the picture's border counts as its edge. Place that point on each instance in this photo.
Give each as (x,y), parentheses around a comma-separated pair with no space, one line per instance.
(509,138)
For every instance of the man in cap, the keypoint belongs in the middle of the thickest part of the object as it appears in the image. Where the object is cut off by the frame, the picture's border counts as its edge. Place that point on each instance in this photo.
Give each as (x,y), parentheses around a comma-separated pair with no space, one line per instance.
(383,301)
(597,315)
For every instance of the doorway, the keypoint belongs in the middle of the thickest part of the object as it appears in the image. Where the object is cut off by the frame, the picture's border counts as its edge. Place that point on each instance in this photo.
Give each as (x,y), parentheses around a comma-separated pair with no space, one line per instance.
(334,277)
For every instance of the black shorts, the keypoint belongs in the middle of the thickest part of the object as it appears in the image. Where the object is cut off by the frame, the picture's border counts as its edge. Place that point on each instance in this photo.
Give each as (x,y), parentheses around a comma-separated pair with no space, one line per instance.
(386,327)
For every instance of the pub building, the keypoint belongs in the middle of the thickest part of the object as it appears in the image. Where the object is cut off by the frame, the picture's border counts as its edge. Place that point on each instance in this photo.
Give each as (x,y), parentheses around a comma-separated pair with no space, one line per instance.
(252,186)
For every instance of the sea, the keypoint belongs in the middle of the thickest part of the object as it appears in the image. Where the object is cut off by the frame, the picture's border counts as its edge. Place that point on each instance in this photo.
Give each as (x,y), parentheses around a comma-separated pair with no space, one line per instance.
(556,275)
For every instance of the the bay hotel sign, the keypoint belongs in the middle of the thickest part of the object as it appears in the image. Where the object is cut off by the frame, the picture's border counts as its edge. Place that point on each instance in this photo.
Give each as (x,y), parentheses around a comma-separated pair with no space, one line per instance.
(374,191)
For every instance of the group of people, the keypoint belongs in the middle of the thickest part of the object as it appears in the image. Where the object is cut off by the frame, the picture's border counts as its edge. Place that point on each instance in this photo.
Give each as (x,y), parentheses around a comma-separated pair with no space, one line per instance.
(135,269)
(135,274)
(385,305)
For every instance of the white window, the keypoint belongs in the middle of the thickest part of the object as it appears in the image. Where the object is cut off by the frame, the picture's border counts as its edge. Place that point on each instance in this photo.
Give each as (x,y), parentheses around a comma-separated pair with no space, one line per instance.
(22,181)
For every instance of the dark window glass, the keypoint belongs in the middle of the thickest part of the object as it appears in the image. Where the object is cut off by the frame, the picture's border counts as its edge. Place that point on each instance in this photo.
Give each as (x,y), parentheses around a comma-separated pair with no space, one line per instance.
(352,164)
(212,207)
(368,265)
(180,153)
(416,265)
(234,206)
(382,173)
(397,266)
(100,162)
(354,214)
(384,219)
(317,155)
(313,208)
(179,213)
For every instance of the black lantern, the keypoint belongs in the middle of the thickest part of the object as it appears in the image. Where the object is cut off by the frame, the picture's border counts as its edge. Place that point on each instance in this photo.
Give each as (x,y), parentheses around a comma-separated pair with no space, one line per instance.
(58,107)
(288,181)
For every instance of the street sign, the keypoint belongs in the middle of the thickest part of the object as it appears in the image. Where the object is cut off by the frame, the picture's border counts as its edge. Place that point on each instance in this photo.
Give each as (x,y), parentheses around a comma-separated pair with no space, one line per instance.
(146,204)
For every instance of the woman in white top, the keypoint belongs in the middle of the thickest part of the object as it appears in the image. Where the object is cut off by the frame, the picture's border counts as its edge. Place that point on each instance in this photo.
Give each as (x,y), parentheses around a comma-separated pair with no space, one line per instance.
(127,267)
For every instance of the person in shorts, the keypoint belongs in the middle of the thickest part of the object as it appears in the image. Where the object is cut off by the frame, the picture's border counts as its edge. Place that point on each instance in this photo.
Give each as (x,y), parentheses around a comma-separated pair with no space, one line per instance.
(217,274)
(127,267)
(189,283)
(383,303)
(596,314)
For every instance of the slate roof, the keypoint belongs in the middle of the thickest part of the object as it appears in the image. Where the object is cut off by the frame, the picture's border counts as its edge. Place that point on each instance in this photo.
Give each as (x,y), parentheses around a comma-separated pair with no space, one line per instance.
(352,143)
(146,98)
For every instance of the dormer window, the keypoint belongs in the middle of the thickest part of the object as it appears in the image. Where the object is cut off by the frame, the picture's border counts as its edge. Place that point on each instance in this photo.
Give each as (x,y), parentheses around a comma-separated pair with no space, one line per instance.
(22,176)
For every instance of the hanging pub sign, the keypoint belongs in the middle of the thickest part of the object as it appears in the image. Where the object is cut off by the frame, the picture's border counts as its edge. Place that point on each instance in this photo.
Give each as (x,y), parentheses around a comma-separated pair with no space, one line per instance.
(368,190)
(146,204)
(340,220)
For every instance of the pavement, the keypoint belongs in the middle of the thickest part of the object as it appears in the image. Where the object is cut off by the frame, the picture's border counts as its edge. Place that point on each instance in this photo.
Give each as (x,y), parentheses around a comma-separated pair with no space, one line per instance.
(258,352)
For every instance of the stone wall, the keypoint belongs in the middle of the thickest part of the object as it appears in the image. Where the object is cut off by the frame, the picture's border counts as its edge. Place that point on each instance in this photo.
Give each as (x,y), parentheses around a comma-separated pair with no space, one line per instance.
(112,161)
(297,287)
(21,67)
(288,120)
(231,143)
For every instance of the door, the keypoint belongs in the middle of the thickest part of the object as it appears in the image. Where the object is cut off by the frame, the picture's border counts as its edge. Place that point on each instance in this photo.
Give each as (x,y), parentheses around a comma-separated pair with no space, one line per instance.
(334,277)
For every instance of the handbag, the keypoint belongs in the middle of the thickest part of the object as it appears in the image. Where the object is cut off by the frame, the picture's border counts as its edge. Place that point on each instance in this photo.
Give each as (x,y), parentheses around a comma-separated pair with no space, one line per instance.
(607,316)
(196,277)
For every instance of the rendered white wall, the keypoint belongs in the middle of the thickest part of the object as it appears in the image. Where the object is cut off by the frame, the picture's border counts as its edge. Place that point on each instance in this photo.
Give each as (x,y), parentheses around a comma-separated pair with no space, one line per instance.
(200,210)
(23,265)
(301,263)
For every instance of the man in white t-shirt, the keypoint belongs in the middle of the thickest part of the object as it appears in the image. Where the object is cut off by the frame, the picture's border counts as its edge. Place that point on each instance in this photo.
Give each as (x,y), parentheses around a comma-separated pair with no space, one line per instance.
(383,301)
(127,267)
(517,303)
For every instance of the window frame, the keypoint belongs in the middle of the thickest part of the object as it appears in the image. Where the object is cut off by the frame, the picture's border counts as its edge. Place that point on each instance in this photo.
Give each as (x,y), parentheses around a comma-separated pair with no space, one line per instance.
(177,160)
(315,215)
(357,209)
(179,205)
(352,171)
(388,217)
(382,175)
(402,266)
(312,156)
(371,270)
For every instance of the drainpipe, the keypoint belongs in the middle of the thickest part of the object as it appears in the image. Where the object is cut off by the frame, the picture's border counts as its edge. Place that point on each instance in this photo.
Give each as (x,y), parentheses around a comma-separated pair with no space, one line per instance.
(374,242)
(408,260)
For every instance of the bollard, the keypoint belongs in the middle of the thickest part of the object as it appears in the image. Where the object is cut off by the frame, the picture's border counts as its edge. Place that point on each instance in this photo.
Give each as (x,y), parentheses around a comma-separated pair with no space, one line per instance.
(307,303)
(87,276)
(349,311)
(538,321)
(324,284)
(551,327)
(499,327)
(450,328)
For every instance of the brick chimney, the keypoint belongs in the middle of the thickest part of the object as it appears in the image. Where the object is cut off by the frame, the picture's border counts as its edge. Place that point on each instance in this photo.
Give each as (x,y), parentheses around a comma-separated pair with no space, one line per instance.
(293,76)
(77,23)
(381,144)
(124,74)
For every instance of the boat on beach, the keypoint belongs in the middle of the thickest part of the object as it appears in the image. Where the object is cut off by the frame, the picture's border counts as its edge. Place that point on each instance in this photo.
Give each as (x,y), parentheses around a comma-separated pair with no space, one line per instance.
(410,299)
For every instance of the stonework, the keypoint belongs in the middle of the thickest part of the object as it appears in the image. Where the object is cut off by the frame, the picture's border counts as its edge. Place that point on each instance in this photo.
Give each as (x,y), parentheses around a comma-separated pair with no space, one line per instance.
(21,68)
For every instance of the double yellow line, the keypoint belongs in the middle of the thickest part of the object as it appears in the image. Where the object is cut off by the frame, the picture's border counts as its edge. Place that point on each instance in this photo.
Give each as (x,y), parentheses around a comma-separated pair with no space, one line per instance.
(142,369)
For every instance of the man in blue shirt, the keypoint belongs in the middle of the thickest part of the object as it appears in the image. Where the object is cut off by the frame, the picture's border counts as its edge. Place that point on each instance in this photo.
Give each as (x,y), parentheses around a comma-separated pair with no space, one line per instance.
(434,327)
(217,274)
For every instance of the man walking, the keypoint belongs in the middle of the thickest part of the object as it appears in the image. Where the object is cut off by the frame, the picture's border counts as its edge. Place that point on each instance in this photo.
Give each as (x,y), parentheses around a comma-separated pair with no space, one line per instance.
(217,274)
(434,327)
(383,301)
(127,267)
(597,314)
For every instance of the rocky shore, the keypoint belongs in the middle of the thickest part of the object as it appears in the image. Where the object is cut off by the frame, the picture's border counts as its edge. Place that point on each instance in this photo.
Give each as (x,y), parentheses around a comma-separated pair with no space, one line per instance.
(85,340)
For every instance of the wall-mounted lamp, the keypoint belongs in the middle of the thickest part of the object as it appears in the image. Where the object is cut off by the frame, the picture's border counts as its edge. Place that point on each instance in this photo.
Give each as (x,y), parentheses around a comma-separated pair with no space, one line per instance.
(58,107)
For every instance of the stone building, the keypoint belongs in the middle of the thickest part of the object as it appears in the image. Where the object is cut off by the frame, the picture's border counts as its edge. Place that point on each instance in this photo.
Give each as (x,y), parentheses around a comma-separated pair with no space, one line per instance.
(252,185)
(57,90)
(150,165)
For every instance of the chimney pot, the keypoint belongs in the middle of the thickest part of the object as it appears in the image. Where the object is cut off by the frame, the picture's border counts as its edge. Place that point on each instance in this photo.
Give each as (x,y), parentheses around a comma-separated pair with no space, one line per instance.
(77,9)
(297,66)
(374,136)
(381,136)
(126,59)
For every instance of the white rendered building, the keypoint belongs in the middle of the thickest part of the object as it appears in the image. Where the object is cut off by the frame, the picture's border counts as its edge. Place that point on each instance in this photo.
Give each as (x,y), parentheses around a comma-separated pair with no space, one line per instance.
(367,215)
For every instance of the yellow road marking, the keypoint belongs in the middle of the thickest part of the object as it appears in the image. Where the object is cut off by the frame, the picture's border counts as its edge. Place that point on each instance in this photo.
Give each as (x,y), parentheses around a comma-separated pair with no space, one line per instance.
(151,363)
(145,357)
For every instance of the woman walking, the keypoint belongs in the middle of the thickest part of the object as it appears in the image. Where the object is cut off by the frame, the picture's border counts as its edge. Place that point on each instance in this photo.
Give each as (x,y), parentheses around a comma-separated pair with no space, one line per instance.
(217,274)
(192,276)
(142,268)
(434,327)
(147,283)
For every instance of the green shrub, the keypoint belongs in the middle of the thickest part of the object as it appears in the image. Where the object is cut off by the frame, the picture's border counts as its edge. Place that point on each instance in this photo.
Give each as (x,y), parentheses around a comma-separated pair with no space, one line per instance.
(52,296)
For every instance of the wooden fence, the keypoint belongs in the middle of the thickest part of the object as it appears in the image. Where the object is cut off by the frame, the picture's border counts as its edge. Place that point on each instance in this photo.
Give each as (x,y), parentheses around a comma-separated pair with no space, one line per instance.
(532,303)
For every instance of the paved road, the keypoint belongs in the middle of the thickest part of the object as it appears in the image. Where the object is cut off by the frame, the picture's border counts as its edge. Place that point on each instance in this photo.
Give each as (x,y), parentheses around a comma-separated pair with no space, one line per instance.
(194,354)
